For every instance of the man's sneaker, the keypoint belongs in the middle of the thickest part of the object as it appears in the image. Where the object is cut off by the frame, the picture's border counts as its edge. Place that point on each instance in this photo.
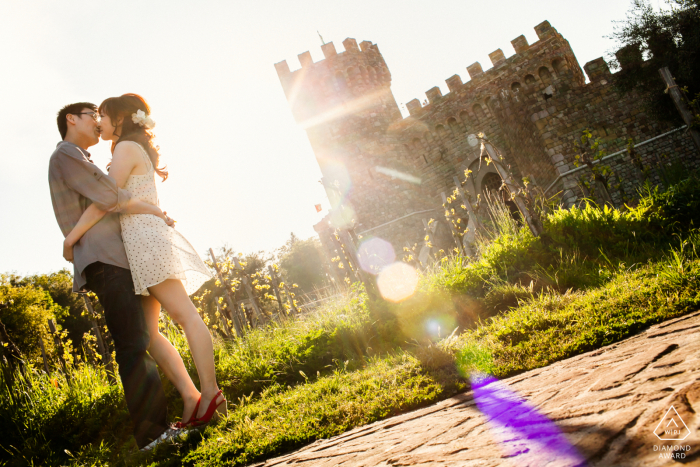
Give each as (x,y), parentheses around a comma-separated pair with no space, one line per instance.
(167,435)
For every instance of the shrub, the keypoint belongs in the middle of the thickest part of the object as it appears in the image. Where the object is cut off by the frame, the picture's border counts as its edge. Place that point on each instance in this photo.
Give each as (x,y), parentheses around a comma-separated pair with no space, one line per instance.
(25,314)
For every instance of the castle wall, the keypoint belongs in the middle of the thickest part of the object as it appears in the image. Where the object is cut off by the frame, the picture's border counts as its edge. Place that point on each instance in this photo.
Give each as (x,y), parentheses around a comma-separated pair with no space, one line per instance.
(532,105)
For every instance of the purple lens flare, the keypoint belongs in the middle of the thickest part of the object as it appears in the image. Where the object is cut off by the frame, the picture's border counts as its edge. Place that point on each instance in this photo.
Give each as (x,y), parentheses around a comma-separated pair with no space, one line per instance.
(527,436)
(374,254)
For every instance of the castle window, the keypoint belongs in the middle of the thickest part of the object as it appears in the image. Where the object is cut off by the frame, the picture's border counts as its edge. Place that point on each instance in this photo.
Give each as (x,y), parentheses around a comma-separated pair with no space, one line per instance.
(559,67)
(489,103)
(353,75)
(340,81)
(372,73)
(516,87)
(454,126)
(440,130)
(417,144)
(478,111)
(545,75)
(529,80)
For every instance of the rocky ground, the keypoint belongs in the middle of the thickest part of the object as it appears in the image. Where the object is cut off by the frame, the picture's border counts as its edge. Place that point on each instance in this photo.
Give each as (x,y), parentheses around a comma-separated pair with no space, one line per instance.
(603,408)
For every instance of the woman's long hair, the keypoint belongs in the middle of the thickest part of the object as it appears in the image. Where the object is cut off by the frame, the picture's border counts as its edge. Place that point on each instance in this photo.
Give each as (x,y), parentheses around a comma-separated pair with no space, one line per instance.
(123,107)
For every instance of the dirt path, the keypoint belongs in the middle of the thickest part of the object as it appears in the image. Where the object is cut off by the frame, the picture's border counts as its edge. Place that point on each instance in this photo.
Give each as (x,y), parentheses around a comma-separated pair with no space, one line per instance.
(605,407)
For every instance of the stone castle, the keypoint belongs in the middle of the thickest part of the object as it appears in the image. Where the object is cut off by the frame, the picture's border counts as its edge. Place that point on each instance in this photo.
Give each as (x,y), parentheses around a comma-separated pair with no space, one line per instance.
(384,173)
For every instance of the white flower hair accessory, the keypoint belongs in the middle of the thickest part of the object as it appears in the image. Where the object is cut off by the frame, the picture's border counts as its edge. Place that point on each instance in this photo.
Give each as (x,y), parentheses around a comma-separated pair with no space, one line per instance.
(140,118)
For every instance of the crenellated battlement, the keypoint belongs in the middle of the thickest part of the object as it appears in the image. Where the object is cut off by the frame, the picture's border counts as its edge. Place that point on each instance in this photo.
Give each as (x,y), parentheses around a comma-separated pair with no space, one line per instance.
(317,87)
(366,54)
(521,71)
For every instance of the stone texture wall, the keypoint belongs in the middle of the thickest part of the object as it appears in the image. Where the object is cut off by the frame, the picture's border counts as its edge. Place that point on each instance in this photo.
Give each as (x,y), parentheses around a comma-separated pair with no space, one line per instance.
(532,105)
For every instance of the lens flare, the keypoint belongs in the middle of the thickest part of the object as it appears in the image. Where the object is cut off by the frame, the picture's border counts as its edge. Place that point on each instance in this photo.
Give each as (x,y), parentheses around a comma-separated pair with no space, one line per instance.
(336,181)
(374,254)
(520,427)
(439,326)
(393,173)
(397,282)
(343,216)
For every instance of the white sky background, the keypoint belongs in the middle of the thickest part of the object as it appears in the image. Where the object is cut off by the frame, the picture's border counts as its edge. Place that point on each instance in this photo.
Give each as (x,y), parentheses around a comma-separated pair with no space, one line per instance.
(242,172)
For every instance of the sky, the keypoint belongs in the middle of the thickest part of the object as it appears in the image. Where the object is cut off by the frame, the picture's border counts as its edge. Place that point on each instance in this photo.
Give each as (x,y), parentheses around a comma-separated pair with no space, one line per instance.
(242,172)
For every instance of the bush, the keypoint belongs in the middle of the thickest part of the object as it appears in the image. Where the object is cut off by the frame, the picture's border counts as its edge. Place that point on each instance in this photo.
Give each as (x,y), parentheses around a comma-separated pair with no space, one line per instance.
(59,286)
(302,263)
(25,314)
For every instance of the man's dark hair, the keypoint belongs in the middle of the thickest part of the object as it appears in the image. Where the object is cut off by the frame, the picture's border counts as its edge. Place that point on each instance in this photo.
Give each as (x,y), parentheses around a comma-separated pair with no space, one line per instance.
(71,109)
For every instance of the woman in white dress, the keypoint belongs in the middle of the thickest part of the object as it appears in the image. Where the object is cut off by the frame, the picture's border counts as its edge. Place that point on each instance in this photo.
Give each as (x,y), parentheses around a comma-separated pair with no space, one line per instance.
(164,266)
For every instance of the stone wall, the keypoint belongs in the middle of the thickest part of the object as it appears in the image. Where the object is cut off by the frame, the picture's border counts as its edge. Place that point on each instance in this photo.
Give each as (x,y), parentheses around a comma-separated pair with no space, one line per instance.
(532,105)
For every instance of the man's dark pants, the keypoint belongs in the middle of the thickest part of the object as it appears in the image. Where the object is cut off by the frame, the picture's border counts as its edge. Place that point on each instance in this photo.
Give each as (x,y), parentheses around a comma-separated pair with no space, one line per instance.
(143,389)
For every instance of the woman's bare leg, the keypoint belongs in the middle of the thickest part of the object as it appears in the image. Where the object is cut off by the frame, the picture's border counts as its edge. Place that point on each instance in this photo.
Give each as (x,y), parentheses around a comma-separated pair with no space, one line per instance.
(168,358)
(172,295)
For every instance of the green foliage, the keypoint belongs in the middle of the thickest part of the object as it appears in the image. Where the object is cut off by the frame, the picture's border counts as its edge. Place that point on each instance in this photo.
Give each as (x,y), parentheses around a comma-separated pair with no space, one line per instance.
(674,209)
(301,263)
(46,419)
(596,276)
(25,315)
(59,285)
(589,153)
(285,418)
(666,37)
(277,354)
(553,326)
(581,248)
(212,292)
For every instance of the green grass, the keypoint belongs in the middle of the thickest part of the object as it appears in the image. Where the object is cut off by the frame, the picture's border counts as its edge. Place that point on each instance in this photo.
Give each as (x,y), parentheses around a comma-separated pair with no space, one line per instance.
(285,418)
(595,277)
(552,326)
(281,354)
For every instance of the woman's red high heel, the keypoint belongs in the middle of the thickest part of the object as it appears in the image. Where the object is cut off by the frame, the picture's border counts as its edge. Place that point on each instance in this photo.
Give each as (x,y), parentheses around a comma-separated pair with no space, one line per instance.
(193,417)
(214,411)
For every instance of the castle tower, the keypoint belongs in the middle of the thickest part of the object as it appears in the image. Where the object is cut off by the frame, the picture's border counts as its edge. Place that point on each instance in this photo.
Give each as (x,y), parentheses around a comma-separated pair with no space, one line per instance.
(346,106)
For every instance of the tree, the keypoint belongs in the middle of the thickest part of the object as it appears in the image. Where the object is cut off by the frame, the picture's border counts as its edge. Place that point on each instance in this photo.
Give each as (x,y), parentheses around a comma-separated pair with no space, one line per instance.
(59,285)
(25,313)
(301,262)
(665,37)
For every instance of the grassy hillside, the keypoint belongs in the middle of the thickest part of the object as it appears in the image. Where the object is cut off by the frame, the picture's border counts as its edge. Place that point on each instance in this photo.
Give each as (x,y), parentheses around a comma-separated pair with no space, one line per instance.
(596,276)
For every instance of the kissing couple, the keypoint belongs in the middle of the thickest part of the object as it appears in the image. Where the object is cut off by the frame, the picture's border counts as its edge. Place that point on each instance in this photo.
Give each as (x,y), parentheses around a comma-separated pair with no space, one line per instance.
(125,250)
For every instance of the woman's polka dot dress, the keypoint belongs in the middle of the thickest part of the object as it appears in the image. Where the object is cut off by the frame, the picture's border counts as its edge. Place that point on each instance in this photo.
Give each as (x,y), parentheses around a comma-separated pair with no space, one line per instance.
(157,252)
